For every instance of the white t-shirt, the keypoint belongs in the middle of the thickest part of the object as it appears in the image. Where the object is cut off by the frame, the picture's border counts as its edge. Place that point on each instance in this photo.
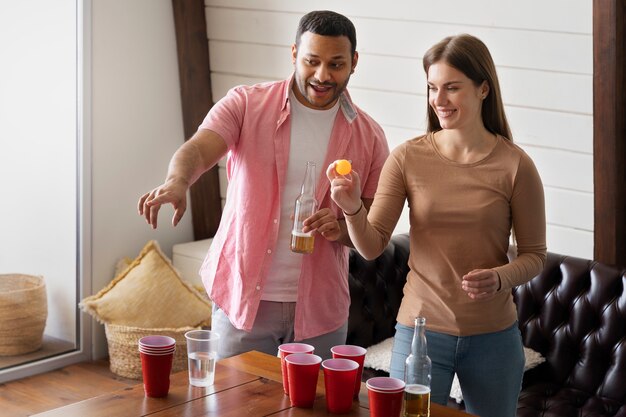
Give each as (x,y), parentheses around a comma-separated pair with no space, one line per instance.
(310,134)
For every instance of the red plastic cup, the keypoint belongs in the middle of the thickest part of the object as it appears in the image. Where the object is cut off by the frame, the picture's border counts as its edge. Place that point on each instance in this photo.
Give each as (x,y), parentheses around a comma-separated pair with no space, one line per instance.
(339,377)
(303,370)
(156,351)
(355,353)
(159,352)
(385,396)
(287,349)
(157,342)
(156,369)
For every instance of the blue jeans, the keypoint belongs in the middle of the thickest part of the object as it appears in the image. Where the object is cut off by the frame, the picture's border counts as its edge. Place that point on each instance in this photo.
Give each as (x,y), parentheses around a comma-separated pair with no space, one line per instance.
(490,367)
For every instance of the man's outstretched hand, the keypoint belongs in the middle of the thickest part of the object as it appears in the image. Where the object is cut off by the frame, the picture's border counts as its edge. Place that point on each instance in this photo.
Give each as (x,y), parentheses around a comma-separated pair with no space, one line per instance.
(172,192)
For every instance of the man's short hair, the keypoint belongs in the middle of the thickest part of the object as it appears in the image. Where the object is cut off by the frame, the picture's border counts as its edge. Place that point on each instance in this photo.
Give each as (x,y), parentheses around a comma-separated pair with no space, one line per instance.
(327,23)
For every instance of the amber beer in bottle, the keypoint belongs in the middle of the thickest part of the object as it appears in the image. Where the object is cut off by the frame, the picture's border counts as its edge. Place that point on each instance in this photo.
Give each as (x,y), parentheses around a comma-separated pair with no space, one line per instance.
(306,206)
(417,371)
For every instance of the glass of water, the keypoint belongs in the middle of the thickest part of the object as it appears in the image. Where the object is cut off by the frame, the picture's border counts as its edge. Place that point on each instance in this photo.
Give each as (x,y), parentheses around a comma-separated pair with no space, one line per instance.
(202,355)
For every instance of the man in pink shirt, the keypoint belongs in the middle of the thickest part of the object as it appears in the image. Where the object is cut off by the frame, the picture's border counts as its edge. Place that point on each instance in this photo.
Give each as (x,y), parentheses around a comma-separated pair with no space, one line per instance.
(264,294)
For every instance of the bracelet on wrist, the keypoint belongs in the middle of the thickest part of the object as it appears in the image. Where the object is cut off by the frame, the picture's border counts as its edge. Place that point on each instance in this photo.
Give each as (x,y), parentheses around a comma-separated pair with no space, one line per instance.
(356,212)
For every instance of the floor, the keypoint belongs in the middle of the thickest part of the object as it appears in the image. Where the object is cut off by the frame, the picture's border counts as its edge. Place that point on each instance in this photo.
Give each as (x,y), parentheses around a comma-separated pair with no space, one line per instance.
(54,389)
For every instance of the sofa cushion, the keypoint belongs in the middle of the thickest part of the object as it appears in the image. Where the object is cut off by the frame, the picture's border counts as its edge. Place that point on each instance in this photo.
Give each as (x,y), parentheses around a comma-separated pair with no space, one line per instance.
(376,292)
(574,314)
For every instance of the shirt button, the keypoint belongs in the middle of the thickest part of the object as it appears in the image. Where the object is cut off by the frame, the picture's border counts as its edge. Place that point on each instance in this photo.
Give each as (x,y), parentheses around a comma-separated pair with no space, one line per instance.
(269,251)
(275,221)
(258,287)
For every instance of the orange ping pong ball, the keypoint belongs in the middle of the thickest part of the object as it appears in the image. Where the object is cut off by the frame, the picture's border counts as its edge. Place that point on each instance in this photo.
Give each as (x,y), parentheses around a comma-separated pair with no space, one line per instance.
(343,167)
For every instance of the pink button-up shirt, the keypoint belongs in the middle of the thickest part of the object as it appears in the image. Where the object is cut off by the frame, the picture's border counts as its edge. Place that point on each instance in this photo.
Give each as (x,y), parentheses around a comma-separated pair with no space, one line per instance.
(255,121)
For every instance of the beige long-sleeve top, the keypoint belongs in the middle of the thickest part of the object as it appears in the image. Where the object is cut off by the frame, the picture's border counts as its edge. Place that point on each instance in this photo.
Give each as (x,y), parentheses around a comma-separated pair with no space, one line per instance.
(460,219)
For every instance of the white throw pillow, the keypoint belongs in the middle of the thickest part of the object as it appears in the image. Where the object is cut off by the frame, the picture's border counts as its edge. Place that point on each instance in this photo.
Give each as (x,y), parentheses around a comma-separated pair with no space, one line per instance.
(378,357)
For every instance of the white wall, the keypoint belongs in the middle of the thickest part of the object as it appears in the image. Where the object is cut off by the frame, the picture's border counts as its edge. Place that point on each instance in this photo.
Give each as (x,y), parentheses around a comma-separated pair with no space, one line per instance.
(543,51)
(136,127)
(38,148)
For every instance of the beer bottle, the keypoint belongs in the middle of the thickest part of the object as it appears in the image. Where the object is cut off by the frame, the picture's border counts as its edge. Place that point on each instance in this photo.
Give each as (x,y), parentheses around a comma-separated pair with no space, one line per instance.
(306,206)
(417,371)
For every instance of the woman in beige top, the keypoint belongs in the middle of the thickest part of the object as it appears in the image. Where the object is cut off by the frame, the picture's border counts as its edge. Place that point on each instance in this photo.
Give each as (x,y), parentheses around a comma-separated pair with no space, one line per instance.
(467,186)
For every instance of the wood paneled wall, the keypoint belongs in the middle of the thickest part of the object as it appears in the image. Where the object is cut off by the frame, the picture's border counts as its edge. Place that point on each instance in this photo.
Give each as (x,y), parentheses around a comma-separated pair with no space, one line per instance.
(545,63)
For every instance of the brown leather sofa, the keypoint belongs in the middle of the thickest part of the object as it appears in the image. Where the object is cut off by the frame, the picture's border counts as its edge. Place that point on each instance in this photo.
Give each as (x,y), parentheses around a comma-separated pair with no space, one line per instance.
(573,313)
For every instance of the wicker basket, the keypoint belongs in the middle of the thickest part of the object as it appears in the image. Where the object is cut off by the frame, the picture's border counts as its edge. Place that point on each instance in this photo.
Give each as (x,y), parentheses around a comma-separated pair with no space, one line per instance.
(124,350)
(23,313)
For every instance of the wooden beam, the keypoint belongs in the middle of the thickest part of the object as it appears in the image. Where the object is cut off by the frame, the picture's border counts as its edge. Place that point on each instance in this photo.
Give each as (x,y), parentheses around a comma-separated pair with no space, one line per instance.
(609,110)
(609,131)
(195,91)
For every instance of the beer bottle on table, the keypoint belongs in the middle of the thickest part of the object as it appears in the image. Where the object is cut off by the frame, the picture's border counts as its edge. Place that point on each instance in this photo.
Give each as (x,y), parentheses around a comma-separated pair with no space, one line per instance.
(417,371)
(306,206)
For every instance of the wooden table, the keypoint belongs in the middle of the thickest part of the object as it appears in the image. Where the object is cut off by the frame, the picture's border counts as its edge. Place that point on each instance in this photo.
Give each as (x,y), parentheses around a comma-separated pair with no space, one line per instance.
(248,385)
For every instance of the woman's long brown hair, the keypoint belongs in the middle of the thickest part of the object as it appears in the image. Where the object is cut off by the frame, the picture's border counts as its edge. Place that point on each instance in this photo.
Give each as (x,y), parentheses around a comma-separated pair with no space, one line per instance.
(470,55)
